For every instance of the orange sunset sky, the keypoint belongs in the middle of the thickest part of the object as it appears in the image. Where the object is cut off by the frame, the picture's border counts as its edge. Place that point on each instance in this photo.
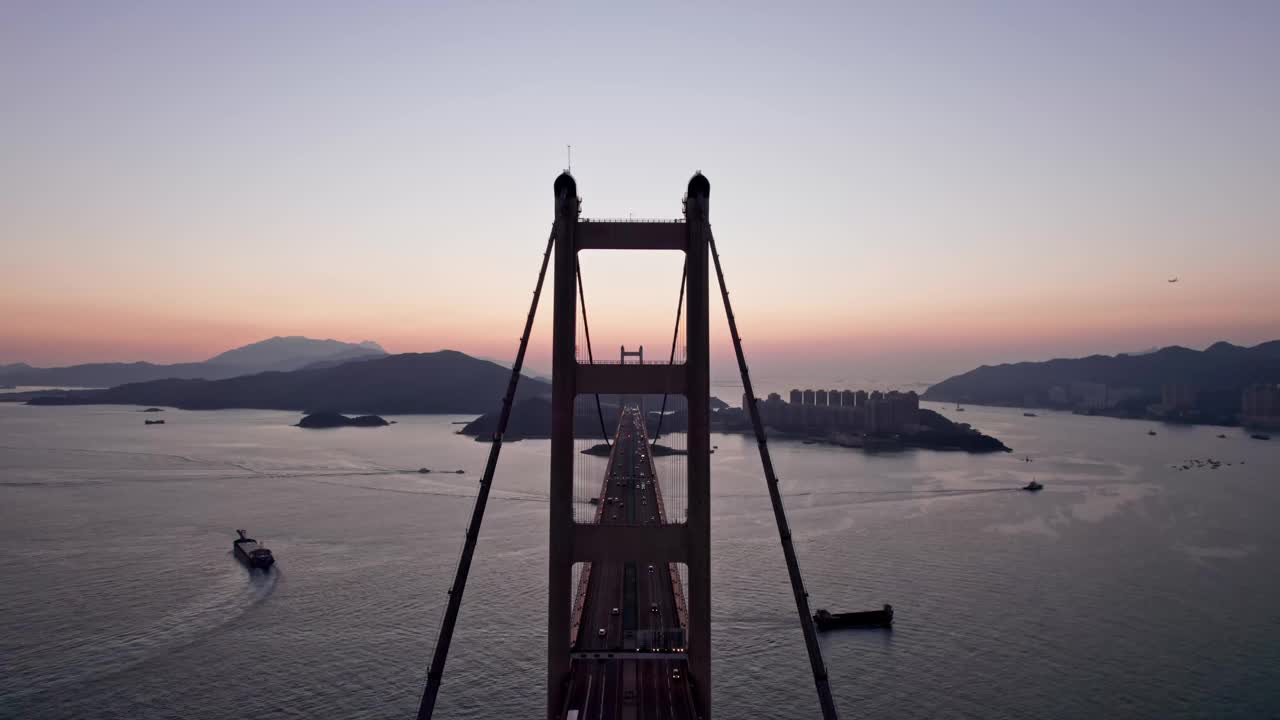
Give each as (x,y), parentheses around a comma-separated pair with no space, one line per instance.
(902,195)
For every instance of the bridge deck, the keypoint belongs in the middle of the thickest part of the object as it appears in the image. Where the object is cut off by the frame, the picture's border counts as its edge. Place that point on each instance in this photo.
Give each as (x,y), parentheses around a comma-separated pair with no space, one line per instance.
(638,606)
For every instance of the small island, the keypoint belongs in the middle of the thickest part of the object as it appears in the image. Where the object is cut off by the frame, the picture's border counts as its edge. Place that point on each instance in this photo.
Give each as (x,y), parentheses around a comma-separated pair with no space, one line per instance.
(324,420)
(927,431)
(604,449)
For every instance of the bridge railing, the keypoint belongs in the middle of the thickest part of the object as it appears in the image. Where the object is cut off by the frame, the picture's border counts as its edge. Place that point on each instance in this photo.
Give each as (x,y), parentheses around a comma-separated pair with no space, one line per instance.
(670,221)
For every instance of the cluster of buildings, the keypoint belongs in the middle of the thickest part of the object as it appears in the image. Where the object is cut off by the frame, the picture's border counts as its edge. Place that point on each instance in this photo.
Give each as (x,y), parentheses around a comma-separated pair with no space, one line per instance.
(1256,405)
(1088,396)
(1260,405)
(852,411)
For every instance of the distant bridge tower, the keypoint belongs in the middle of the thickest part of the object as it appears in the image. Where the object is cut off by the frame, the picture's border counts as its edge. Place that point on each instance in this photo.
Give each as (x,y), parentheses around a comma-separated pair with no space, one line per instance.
(687,542)
(637,354)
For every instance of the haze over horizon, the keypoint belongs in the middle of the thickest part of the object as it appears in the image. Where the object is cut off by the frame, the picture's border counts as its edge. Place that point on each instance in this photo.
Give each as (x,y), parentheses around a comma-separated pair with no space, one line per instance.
(897,192)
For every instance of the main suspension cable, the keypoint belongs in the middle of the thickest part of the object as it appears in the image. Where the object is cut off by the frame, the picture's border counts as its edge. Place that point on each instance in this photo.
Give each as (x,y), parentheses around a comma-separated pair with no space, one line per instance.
(820,679)
(675,337)
(436,673)
(586,330)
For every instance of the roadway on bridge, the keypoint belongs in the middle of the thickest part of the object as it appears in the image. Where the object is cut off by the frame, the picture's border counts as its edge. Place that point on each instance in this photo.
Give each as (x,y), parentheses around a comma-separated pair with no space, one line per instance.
(630,606)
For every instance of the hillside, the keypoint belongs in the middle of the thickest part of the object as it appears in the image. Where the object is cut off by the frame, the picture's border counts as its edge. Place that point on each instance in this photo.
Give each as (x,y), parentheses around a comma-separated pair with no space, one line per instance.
(294,352)
(439,382)
(278,353)
(1124,384)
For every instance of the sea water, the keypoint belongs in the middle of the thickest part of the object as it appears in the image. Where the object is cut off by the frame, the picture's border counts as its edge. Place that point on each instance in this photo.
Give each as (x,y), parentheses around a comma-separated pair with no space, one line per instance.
(1127,588)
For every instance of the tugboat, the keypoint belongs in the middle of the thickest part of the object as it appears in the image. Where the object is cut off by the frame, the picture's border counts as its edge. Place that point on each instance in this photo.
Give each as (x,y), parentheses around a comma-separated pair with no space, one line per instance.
(1260,436)
(248,551)
(869,619)
(1033,486)
(152,422)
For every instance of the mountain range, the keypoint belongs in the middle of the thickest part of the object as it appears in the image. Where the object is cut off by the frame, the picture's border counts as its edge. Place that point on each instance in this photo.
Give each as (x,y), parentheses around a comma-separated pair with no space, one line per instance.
(277,353)
(1125,383)
(440,382)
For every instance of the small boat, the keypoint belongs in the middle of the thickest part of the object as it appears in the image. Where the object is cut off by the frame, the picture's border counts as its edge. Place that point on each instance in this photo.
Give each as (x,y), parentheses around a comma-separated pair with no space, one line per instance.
(1028,414)
(1221,436)
(153,422)
(1033,486)
(1151,432)
(248,551)
(869,619)
(424,471)
(1260,436)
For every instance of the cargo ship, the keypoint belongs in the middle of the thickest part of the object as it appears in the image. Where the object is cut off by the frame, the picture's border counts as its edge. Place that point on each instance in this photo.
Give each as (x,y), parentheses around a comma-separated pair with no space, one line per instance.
(868,619)
(248,551)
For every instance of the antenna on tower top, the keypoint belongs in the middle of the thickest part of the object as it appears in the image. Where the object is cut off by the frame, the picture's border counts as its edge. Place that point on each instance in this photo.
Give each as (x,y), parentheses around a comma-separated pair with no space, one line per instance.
(568,149)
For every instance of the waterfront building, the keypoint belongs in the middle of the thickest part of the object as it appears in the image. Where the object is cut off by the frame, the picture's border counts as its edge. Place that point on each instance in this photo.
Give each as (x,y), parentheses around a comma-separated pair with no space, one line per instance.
(1178,396)
(1260,405)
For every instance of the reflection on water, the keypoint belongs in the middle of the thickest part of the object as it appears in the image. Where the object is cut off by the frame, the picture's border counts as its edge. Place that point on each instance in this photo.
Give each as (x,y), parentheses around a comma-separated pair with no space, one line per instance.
(1125,588)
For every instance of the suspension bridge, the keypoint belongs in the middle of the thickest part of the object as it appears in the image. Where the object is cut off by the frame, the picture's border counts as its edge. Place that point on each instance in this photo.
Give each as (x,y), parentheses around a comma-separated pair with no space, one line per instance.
(629,585)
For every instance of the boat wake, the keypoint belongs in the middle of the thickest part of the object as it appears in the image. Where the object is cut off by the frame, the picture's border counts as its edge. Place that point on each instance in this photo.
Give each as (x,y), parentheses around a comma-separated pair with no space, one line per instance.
(44,667)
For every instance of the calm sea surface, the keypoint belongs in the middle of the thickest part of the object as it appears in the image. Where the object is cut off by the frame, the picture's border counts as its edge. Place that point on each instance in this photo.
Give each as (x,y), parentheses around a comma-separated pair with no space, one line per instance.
(1127,588)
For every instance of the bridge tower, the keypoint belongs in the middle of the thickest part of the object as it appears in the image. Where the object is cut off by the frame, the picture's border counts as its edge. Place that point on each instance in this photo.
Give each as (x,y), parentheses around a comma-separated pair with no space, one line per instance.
(687,542)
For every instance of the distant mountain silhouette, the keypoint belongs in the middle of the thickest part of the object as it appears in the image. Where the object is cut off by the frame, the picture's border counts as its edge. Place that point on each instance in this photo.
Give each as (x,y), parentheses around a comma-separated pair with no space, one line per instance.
(278,353)
(1219,372)
(439,382)
(293,352)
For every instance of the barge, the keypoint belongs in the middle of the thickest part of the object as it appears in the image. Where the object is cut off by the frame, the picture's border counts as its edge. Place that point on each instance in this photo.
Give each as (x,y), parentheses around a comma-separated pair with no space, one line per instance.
(248,551)
(869,619)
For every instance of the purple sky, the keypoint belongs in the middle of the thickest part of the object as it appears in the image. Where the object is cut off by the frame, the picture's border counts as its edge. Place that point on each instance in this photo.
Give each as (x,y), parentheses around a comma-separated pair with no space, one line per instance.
(907,189)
